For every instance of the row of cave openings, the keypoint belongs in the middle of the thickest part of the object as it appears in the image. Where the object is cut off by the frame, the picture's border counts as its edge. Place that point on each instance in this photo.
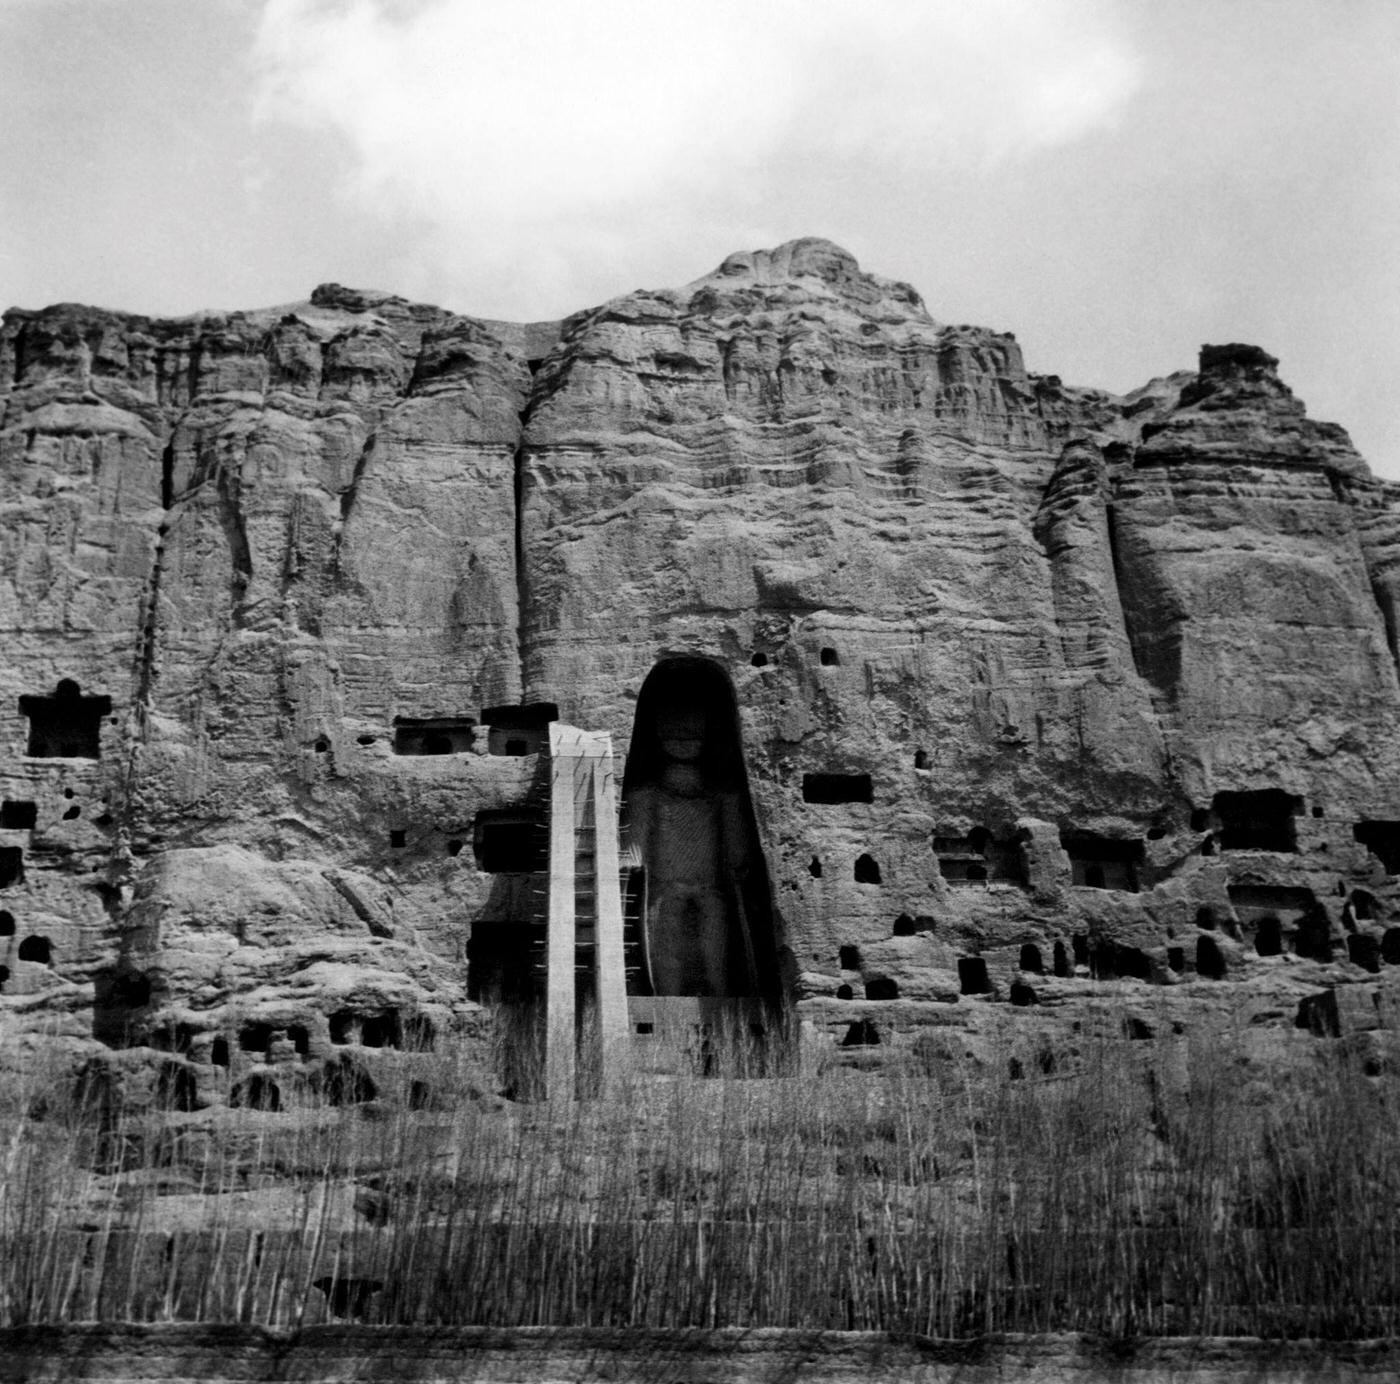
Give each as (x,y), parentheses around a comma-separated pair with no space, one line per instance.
(511,731)
(1255,820)
(276,1064)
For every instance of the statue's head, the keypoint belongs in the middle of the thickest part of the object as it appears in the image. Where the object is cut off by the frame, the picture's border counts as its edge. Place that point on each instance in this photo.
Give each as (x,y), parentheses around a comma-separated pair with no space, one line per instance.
(680,729)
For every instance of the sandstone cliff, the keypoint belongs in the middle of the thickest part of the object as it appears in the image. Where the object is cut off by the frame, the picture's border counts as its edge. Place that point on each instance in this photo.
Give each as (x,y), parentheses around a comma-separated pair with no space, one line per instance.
(1047,696)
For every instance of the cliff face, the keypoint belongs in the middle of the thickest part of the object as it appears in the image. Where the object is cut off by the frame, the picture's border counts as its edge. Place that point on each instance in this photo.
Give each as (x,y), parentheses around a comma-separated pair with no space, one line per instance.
(1038,687)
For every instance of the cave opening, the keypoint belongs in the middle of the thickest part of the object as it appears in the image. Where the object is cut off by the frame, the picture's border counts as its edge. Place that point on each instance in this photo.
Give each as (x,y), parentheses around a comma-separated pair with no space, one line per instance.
(36,948)
(433,735)
(830,789)
(1382,839)
(972,976)
(66,725)
(18,816)
(517,731)
(1103,862)
(1268,936)
(866,869)
(511,841)
(1365,951)
(1257,820)
(704,926)
(1210,960)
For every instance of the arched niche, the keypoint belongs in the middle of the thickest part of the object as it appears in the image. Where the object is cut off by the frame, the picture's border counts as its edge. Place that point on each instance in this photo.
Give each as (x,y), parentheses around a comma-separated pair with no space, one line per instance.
(699,905)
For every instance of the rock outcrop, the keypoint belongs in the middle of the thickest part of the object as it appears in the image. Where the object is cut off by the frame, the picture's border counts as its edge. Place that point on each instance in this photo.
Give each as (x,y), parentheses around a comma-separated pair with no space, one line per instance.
(1046,696)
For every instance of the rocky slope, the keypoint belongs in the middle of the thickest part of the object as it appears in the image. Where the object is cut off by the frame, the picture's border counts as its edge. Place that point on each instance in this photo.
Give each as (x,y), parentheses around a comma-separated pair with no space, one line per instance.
(1056,707)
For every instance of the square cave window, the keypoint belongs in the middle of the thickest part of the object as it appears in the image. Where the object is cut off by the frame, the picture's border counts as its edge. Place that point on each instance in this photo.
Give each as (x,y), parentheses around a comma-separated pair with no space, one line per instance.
(11,866)
(1382,839)
(1103,862)
(18,816)
(1260,820)
(433,734)
(500,961)
(515,731)
(511,842)
(837,788)
(66,725)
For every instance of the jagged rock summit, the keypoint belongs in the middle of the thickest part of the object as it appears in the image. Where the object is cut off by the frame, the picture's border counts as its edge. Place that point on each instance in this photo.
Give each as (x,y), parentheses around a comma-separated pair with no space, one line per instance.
(1047,707)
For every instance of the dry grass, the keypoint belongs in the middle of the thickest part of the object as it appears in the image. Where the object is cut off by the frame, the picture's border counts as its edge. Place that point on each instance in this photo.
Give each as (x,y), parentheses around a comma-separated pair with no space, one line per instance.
(1177,1194)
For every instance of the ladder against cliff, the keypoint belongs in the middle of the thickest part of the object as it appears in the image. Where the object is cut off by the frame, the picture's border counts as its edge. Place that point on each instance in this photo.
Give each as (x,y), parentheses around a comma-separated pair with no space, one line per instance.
(584,944)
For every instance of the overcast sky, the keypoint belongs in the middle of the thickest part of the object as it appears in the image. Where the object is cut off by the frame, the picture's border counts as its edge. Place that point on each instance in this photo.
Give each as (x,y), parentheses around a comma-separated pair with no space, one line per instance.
(1116,181)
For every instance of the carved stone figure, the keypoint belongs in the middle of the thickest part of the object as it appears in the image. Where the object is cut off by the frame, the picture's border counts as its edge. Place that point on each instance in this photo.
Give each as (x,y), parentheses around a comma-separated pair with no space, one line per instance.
(689,827)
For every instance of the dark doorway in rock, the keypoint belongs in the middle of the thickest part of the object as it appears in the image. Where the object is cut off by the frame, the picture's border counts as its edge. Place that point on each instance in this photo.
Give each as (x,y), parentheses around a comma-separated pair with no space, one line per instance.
(706,924)
(514,731)
(1390,946)
(343,1081)
(36,948)
(1210,961)
(380,1030)
(972,976)
(11,866)
(881,988)
(259,1092)
(861,1034)
(1257,820)
(837,788)
(66,725)
(1268,937)
(867,870)
(18,816)
(1313,937)
(1030,959)
(176,1088)
(1103,862)
(1062,967)
(511,841)
(1382,839)
(849,957)
(1365,951)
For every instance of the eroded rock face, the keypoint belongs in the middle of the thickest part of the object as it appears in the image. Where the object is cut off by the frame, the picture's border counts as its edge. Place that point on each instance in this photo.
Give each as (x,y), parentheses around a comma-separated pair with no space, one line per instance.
(1046,696)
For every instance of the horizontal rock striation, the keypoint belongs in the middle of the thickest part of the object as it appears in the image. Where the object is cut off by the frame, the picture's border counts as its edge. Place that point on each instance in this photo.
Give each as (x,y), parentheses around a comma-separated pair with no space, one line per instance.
(1046,696)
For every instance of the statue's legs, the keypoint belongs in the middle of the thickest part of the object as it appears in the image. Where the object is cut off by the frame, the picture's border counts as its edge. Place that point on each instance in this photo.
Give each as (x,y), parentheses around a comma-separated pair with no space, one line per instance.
(688,933)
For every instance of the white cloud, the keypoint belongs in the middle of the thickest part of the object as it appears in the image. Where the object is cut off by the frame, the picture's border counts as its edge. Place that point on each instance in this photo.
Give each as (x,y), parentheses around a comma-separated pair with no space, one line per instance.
(511,129)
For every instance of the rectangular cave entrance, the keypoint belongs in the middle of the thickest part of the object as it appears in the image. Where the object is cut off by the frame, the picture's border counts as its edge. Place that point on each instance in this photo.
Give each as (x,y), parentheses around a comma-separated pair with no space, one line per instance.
(1256,820)
(518,730)
(1382,839)
(414,735)
(1103,862)
(980,858)
(511,841)
(67,725)
(699,919)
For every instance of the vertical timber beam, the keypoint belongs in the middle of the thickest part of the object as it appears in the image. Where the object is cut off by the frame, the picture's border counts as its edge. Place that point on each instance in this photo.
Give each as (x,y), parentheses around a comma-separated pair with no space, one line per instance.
(559,1055)
(610,979)
(583,801)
